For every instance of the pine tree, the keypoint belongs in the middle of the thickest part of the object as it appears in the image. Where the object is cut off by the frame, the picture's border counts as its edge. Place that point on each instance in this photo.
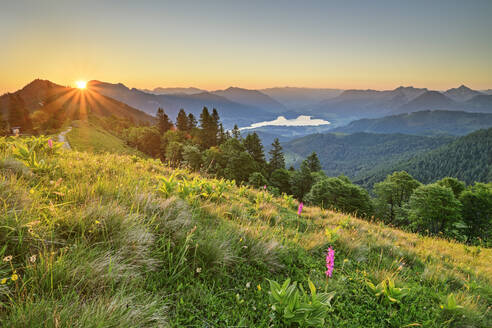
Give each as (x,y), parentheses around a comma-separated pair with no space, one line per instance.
(209,127)
(223,136)
(277,159)
(313,162)
(192,122)
(236,134)
(163,122)
(253,145)
(182,121)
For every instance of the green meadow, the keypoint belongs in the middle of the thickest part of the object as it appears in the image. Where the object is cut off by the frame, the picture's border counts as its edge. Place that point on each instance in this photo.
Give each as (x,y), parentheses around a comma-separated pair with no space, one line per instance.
(96,239)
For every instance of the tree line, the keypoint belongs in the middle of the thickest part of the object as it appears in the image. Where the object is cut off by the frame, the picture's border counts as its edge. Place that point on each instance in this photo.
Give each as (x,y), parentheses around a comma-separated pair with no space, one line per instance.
(447,207)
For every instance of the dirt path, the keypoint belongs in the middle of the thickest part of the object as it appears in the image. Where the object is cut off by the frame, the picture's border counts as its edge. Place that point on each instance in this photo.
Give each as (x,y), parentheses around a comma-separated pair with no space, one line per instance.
(62,138)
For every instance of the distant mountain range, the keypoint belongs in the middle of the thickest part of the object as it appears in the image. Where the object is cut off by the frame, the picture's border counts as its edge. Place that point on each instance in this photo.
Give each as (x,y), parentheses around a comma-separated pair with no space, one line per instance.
(298,98)
(422,123)
(244,107)
(42,100)
(230,112)
(253,98)
(172,91)
(355,104)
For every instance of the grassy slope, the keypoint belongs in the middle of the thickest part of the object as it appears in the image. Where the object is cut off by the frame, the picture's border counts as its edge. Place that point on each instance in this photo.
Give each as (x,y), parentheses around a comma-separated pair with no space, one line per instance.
(88,137)
(113,251)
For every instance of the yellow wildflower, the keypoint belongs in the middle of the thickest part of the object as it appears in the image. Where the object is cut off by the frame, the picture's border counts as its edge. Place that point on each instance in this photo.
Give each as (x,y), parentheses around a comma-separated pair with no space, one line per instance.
(259,287)
(3,281)
(14,277)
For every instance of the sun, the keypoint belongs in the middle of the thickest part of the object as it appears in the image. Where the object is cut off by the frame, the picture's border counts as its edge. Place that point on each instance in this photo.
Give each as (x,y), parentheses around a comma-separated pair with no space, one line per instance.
(81,84)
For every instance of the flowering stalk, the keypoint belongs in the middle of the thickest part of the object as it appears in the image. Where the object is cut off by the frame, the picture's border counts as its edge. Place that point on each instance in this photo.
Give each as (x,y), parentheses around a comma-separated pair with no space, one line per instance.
(299,210)
(50,143)
(330,262)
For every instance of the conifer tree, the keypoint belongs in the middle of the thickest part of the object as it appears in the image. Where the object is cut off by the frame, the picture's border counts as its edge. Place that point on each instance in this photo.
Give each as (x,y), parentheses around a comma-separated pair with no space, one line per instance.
(163,122)
(192,122)
(236,134)
(182,121)
(313,162)
(277,159)
(209,128)
(253,146)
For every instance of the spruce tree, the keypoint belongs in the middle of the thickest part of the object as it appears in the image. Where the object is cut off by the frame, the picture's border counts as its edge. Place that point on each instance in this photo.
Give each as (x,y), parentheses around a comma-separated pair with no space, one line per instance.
(163,122)
(277,159)
(209,127)
(253,145)
(182,121)
(192,122)
(313,162)
(236,134)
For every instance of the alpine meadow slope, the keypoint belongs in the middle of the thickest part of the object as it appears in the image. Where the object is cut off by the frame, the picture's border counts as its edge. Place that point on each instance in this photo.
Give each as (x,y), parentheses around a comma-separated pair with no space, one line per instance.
(110,240)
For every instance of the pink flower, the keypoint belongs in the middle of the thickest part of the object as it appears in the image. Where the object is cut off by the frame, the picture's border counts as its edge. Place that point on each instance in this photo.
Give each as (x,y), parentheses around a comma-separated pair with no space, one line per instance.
(264,187)
(50,143)
(299,210)
(330,262)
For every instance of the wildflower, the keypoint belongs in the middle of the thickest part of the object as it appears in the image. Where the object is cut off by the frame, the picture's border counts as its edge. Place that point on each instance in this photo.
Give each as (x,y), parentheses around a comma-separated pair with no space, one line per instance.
(345,261)
(240,239)
(198,270)
(98,222)
(259,287)
(7,258)
(248,285)
(32,258)
(330,258)
(3,281)
(299,210)
(50,143)
(264,187)
(14,277)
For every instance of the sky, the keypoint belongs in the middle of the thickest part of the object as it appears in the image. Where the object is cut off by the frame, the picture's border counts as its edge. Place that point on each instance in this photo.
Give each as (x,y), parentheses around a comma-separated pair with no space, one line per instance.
(251,44)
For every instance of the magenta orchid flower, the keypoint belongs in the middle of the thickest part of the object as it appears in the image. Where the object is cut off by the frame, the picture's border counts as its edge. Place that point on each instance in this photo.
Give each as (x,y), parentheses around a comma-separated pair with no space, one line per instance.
(299,210)
(330,262)
(50,143)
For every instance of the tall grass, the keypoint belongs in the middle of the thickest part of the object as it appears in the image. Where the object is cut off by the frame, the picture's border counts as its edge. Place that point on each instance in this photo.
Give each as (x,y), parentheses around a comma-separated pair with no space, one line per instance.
(103,240)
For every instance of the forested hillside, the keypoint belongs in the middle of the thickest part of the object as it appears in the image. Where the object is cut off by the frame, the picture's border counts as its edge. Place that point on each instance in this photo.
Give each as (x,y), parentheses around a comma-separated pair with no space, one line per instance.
(468,158)
(356,153)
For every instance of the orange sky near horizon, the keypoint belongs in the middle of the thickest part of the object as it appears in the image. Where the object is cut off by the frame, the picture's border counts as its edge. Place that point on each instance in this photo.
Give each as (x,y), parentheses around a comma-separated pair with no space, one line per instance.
(254,45)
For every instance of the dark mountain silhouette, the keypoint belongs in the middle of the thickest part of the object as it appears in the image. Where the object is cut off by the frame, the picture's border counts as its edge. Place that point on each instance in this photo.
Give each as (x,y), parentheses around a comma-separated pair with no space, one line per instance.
(427,100)
(253,98)
(42,101)
(461,94)
(297,98)
(230,112)
(422,123)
